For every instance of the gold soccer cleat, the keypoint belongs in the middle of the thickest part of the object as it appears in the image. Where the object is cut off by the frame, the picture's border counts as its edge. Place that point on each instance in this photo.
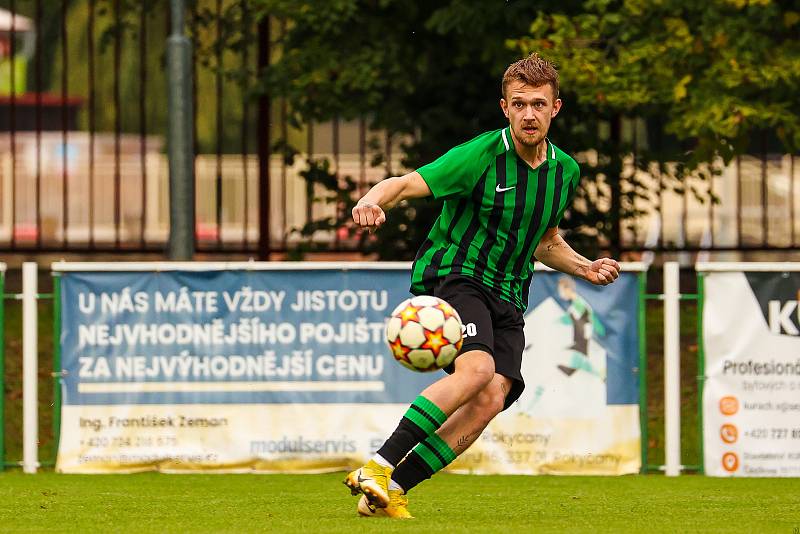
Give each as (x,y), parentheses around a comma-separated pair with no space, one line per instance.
(397,509)
(365,509)
(398,505)
(373,481)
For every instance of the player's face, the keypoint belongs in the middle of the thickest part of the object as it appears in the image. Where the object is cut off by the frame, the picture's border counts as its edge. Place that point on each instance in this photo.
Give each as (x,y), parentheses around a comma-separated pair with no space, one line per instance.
(529,110)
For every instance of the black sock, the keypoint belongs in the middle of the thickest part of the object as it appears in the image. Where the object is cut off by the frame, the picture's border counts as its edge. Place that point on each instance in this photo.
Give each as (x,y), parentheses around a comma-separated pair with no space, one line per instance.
(421,420)
(411,471)
(428,457)
(402,440)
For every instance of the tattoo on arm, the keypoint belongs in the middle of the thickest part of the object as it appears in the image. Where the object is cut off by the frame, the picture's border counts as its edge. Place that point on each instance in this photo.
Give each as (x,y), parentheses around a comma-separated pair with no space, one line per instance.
(580,270)
(556,253)
(553,245)
(463,441)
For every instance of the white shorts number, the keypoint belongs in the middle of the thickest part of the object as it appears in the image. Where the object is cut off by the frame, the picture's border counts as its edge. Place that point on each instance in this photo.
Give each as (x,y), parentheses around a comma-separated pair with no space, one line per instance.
(469,329)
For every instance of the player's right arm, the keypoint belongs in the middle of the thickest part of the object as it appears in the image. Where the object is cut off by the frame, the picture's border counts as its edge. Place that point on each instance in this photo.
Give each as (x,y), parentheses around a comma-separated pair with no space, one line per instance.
(453,174)
(369,212)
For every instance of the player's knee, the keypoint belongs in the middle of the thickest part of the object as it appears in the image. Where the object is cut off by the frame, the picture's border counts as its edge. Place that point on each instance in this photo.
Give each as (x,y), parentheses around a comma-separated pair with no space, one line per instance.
(482,372)
(496,399)
(488,403)
(475,370)
(498,402)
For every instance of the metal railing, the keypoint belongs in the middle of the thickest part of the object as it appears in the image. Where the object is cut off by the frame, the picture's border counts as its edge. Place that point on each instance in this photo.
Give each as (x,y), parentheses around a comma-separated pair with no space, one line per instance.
(82,164)
(82,152)
(755,209)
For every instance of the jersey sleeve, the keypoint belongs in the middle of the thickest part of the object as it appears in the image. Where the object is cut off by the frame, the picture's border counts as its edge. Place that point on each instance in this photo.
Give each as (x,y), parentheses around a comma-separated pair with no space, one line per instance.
(573,172)
(457,171)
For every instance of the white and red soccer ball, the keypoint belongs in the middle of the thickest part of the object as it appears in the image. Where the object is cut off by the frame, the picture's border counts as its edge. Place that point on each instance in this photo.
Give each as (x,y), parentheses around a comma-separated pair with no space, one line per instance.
(424,333)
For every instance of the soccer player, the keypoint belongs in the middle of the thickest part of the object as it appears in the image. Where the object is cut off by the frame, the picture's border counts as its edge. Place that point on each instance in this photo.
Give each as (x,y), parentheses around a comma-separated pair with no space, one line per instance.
(504,193)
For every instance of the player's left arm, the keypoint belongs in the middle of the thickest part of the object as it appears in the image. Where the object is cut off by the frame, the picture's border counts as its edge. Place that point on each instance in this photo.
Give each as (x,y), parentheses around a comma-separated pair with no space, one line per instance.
(554,252)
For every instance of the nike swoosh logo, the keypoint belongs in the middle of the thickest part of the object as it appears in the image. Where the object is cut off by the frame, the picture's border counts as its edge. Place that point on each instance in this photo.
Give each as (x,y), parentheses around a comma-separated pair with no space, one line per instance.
(360,480)
(503,189)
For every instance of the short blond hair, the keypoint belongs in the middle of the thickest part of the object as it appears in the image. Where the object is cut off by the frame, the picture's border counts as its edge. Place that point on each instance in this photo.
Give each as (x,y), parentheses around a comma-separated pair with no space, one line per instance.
(533,70)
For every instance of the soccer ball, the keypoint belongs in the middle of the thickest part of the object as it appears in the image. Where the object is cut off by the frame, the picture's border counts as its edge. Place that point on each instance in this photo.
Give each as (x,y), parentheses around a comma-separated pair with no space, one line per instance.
(424,333)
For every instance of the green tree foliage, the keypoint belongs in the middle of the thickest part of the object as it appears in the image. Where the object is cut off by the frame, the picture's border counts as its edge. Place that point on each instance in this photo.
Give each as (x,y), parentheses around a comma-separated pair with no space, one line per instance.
(716,71)
(672,87)
(712,75)
(427,71)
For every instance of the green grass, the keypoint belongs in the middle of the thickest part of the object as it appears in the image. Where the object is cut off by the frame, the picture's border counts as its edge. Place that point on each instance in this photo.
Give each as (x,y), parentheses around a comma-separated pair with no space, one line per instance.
(447,503)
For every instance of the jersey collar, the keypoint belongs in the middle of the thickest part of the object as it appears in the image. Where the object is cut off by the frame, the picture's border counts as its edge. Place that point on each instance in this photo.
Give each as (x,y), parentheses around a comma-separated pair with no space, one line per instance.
(508,142)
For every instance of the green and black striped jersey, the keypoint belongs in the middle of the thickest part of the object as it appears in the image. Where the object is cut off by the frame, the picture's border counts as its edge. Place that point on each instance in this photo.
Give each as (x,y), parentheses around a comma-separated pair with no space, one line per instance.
(496,209)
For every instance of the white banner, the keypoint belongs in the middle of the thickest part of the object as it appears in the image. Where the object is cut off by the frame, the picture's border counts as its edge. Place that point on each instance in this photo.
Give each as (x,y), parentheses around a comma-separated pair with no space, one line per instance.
(288,370)
(578,414)
(225,438)
(751,397)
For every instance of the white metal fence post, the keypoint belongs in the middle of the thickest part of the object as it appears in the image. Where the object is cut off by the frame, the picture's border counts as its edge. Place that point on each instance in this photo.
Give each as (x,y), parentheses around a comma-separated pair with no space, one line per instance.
(672,369)
(30,416)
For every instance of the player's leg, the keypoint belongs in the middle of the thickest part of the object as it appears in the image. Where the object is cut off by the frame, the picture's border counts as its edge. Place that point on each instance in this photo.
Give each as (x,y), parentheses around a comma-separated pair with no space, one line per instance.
(472,371)
(454,437)
(469,421)
(460,430)
(465,425)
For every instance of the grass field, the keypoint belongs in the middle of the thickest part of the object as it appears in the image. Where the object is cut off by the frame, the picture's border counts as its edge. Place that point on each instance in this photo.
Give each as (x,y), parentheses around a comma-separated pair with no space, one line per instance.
(448,503)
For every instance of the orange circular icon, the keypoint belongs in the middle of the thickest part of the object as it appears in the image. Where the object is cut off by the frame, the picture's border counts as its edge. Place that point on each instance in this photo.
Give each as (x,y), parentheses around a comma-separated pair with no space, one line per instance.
(730,462)
(728,405)
(728,433)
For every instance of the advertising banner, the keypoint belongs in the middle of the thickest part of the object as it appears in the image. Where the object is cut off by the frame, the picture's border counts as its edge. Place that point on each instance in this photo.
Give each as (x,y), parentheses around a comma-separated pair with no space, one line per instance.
(579,412)
(288,371)
(228,370)
(751,395)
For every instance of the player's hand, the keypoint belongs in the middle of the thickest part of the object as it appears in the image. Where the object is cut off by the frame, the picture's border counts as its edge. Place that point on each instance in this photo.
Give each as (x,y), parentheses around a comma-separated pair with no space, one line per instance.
(602,272)
(368,215)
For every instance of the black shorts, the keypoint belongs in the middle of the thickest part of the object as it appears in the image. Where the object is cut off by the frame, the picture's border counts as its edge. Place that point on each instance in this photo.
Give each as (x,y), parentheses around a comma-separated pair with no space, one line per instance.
(491,324)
